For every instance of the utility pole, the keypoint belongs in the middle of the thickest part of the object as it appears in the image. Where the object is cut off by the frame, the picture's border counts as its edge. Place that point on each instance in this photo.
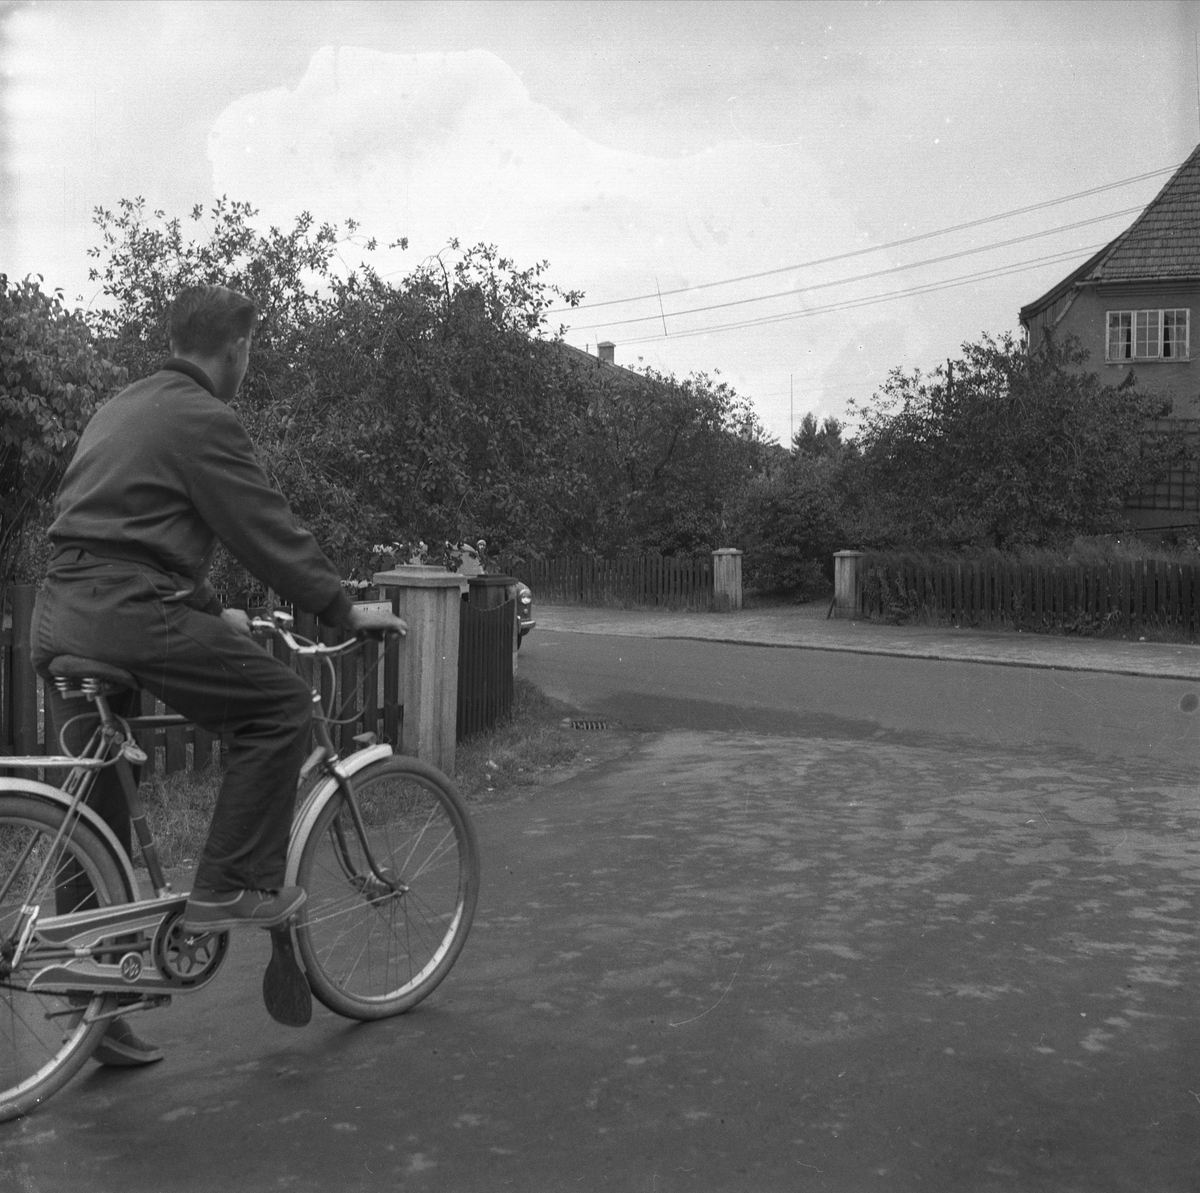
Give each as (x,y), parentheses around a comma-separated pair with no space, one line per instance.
(791,411)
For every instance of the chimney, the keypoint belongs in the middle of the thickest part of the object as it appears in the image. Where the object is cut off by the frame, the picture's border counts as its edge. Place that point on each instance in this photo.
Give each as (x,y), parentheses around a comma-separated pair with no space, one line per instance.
(606,350)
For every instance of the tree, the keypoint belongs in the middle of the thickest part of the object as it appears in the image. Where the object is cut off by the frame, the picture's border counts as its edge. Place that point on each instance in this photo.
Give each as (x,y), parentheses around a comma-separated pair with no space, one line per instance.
(435,403)
(1005,449)
(144,259)
(665,458)
(52,377)
(383,411)
(438,407)
(812,439)
(791,520)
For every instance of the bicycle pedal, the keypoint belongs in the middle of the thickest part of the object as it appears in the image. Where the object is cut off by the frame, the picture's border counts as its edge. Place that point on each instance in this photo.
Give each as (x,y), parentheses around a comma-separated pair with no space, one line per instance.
(285,988)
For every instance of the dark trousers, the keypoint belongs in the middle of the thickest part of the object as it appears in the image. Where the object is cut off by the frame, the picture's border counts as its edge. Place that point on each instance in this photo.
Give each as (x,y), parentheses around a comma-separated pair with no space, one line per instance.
(200,666)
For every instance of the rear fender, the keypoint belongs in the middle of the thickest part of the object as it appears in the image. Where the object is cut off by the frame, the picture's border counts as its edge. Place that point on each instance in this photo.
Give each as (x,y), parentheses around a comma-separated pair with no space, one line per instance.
(52,795)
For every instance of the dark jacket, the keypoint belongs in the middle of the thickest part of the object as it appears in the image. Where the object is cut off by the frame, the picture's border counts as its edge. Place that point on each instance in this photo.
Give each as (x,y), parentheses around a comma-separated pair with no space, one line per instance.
(163,471)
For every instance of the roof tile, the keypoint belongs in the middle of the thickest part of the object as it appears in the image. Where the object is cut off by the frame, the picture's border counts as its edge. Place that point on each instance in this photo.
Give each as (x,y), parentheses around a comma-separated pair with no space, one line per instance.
(1164,241)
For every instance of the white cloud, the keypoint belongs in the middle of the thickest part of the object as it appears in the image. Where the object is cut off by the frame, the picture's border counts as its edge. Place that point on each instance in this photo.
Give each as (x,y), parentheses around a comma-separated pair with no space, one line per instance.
(431,146)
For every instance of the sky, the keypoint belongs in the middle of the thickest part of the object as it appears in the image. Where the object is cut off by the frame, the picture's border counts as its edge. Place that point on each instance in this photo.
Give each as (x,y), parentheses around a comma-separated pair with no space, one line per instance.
(730,185)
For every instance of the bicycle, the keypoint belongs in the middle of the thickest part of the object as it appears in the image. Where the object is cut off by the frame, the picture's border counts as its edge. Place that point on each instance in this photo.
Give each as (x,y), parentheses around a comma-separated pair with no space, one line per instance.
(382,843)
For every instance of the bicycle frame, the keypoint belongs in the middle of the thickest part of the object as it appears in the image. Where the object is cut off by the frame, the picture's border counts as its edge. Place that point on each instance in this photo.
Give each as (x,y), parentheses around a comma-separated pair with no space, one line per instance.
(73,946)
(109,737)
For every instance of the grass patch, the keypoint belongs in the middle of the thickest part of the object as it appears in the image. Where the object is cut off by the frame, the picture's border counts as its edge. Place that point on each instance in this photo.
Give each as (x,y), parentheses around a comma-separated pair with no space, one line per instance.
(178,811)
(753,599)
(525,751)
(528,750)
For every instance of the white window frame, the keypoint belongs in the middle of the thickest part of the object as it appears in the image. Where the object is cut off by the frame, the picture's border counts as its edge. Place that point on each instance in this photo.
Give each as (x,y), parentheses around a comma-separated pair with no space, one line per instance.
(1139,331)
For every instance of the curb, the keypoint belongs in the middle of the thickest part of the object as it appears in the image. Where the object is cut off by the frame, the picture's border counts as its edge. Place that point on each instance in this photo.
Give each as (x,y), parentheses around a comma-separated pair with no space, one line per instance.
(1180,672)
(941,656)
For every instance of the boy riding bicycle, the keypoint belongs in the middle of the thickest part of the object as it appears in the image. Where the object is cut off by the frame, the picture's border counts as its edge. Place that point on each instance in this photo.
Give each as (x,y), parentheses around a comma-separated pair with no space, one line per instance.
(162,472)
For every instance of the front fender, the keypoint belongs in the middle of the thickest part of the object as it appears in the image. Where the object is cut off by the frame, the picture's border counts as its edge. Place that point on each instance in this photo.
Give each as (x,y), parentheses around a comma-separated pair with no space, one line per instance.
(315,800)
(53,795)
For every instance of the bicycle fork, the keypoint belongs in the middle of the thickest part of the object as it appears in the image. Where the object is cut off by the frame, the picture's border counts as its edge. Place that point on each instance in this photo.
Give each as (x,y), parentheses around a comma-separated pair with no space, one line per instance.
(379,883)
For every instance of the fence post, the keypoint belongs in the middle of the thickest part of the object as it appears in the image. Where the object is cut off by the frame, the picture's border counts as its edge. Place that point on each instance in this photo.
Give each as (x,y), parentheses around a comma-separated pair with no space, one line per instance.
(847,583)
(428,599)
(727,579)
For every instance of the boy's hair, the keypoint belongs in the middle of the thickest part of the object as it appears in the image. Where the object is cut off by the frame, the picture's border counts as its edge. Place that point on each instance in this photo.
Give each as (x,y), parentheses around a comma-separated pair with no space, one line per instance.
(204,319)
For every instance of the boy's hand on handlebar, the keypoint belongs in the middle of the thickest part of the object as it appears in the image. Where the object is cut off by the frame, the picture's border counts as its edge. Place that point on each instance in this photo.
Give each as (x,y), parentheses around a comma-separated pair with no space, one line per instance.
(239,619)
(376,621)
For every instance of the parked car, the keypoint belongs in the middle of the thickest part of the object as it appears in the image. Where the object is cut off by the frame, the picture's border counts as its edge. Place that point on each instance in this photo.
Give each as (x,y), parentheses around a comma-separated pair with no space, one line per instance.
(470,563)
(525,621)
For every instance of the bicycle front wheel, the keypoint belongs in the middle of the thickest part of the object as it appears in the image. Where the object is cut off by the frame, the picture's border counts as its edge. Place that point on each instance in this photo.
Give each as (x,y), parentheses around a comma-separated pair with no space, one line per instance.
(376,941)
(46,1038)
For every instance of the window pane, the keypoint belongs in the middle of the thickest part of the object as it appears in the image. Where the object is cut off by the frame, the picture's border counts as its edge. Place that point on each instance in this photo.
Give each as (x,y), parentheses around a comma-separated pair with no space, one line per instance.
(1146,341)
(1120,342)
(1175,333)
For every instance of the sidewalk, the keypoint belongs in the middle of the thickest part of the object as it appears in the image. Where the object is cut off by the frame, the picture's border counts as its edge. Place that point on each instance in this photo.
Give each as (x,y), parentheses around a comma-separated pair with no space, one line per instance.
(805,627)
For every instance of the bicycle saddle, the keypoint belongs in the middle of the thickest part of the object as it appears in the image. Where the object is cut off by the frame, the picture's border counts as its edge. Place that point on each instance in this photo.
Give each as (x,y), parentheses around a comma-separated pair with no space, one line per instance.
(73,667)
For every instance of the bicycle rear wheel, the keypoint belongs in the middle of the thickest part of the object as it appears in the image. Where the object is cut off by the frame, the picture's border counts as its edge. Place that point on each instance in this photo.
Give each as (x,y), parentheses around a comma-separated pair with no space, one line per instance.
(46,1038)
(374,948)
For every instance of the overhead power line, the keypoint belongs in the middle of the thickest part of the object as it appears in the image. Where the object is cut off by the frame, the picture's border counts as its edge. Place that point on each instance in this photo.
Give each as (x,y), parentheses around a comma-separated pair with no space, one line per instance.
(860,277)
(849,304)
(877,248)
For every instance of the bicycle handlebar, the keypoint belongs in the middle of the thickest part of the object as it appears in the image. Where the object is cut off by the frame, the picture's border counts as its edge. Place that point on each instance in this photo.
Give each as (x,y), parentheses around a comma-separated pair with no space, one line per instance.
(279,624)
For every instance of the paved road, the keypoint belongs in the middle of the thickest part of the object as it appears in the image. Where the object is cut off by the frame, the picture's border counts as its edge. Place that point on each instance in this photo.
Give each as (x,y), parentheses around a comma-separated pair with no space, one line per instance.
(807,627)
(772,947)
(663,683)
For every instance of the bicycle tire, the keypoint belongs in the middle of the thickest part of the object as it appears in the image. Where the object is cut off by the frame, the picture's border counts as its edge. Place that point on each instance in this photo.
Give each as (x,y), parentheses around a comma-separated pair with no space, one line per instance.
(45,1039)
(372,951)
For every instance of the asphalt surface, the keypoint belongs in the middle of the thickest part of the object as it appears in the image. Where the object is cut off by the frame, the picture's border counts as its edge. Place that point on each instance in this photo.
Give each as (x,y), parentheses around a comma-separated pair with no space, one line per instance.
(660,683)
(808,627)
(822,925)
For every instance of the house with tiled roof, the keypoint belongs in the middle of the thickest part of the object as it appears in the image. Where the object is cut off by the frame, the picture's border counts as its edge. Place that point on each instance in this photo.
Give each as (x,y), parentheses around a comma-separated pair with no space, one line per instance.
(1131,307)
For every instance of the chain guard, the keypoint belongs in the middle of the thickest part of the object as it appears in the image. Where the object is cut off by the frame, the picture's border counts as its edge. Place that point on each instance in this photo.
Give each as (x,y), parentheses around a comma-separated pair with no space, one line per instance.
(160,958)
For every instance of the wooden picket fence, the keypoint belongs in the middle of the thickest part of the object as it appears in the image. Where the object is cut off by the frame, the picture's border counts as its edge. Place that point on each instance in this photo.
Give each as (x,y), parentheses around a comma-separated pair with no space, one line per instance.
(672,581)
(485,668)
(1081,598)
(369,690)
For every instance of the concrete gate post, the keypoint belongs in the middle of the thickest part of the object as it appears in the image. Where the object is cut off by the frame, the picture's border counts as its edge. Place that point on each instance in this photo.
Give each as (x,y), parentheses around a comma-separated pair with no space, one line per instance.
(429,599)
(847,584)
(727,579)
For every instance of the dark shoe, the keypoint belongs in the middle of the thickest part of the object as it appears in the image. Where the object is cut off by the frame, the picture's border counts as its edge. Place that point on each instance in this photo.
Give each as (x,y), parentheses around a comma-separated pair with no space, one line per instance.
(123,1050)
(217,911)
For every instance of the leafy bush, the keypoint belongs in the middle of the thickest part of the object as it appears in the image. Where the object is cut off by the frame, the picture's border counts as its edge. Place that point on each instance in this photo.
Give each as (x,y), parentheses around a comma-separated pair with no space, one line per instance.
(1007,449)
(439,407)
(790,523)
(894,589)
(52,377)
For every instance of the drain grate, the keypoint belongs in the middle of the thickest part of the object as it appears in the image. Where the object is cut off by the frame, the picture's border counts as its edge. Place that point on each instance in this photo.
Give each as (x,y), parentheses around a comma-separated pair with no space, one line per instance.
(585,724)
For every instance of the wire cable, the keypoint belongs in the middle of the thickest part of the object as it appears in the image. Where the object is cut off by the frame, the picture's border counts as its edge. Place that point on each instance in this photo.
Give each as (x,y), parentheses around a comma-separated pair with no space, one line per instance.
(860,277)
(877,248)
(870,300)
